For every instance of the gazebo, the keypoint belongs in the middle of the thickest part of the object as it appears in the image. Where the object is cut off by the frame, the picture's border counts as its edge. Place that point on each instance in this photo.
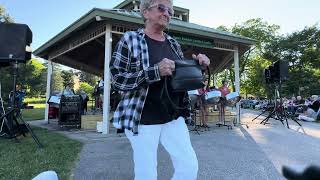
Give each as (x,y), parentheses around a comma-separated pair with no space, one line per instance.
(87,44)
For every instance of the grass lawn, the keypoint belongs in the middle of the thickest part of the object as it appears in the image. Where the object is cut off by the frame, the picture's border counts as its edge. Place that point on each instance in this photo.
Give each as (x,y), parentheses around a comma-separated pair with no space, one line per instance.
(23,160)
(34,114)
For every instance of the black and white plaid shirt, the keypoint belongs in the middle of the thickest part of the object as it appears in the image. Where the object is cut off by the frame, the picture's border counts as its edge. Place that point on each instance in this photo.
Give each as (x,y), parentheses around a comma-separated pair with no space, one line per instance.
(131,74)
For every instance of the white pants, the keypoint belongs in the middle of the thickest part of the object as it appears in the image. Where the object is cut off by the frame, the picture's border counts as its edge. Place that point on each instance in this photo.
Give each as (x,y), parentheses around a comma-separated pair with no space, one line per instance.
(174,136)
(47,175)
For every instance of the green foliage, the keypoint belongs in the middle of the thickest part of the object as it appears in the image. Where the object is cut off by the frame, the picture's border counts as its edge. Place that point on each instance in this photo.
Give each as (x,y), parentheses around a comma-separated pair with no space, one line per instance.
(67,77)
(57,80)
(5,17)
(258,30)
(24,160)
(30,77)
(254,82)
(87,88)
(88,78)
(302,50)
(252,63)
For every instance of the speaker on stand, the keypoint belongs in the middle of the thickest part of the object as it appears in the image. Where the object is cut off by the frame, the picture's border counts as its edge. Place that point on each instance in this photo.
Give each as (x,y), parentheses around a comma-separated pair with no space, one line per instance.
(15,48)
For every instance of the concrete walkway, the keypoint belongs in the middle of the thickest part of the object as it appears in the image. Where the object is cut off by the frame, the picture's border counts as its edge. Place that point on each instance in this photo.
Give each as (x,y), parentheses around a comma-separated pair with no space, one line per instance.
(241,153)
(283,146)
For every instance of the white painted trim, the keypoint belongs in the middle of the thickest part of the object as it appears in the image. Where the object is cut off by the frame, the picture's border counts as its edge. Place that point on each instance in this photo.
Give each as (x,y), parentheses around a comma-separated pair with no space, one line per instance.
(48,91)
(224,49)
(237,79)
(107,78)
(215,80)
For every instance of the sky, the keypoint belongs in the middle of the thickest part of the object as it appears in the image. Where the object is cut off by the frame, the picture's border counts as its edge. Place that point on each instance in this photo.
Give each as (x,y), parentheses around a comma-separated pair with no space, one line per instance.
(46,18)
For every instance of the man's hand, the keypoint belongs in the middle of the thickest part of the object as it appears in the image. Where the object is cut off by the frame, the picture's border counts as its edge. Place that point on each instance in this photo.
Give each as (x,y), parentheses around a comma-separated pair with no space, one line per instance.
(202,58)
(166,67)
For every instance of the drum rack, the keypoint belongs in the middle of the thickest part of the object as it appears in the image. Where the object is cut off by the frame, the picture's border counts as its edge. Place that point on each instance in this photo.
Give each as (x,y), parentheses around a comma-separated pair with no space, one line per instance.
(222,114)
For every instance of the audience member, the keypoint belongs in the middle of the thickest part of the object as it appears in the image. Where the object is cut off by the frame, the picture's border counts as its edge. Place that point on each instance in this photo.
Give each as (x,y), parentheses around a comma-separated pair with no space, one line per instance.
(312,112)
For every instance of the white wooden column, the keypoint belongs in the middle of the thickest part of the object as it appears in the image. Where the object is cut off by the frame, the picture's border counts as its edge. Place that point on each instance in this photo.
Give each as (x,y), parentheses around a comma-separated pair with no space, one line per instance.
(48,91)
(106,88)
(237,79)
(215,80)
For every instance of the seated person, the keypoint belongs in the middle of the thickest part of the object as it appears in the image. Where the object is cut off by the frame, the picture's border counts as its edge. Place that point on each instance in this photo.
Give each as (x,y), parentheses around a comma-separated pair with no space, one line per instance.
(291,102)
(312,112)
(299,104)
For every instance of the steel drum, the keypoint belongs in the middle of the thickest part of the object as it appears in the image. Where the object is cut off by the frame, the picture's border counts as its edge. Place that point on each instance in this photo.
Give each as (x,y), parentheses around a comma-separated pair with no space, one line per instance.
(213,97)
(232,98)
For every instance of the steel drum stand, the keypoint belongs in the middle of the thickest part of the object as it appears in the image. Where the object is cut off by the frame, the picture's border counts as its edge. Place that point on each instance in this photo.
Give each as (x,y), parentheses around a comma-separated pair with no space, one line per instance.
(222,120)
(196,127)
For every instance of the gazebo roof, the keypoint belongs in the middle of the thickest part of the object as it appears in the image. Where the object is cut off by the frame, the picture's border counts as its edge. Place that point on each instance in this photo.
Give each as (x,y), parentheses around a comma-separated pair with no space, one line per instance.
(69,36)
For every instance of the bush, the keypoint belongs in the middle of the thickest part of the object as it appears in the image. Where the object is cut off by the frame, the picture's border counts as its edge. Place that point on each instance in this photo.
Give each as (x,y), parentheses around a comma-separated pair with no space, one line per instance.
(87,88)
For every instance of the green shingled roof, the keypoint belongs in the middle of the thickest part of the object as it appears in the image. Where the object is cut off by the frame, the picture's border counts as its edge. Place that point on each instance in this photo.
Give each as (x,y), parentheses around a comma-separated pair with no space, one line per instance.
(134,17)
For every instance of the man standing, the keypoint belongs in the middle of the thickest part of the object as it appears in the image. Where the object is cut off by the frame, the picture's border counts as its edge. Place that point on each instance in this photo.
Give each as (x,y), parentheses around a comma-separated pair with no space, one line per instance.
(141,61)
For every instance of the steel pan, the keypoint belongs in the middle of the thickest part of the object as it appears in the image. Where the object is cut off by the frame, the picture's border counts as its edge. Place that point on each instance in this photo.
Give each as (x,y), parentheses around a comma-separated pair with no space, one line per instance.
(213,97)
(232,98)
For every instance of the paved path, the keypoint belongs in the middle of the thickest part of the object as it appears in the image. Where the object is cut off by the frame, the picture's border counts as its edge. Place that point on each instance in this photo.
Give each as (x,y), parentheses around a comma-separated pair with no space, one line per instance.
(241,153)
(283,146)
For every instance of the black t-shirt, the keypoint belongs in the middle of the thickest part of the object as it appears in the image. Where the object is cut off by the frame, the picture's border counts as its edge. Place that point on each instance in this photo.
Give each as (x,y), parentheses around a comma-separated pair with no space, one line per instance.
(157,109)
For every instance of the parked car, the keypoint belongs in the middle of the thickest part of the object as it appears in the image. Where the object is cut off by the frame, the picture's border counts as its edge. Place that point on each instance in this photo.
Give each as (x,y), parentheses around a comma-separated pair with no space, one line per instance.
(261,105)
(253,103)
(245,103)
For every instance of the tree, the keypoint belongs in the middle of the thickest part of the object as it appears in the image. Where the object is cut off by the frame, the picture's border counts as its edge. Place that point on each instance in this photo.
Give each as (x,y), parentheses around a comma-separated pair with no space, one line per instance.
(87,88)
(302,50)
(67,77)
(88,78)
(5,17)
(57,80)
(30,77)
(264,34)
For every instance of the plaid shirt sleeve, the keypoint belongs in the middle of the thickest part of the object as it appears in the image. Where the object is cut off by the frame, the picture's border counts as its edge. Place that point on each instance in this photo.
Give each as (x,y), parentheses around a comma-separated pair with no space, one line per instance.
(126,75)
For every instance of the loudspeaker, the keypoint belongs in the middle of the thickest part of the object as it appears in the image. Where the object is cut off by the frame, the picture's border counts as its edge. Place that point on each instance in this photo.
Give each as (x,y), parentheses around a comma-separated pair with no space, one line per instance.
(15,40)
(281,70)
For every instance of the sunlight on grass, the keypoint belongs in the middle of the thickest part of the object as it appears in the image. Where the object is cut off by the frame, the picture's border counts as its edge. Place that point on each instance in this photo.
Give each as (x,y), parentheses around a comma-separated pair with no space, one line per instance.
(37,105)
(23,160)
(33,114)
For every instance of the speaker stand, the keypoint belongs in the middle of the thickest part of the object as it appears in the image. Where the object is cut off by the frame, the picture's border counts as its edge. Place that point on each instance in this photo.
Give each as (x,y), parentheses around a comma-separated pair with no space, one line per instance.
(14,114)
